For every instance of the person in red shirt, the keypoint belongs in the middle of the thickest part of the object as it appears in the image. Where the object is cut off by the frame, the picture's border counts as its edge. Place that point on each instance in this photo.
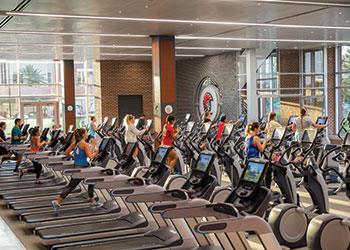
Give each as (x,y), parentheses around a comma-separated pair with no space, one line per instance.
(221,126)
(169,134)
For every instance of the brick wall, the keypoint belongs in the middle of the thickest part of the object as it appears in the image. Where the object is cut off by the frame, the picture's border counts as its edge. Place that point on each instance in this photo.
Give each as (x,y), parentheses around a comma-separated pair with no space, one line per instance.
(221,68)
(125,78)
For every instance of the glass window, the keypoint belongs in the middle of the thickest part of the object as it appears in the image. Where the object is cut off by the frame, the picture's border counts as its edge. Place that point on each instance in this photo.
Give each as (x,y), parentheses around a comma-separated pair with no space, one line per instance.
(307,62)
(345,59)
(319,61)
(36,72)
(8,72)
(9,110)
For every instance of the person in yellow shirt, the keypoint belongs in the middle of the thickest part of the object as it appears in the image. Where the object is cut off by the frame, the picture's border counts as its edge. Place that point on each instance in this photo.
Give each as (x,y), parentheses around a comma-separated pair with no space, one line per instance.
(271,125)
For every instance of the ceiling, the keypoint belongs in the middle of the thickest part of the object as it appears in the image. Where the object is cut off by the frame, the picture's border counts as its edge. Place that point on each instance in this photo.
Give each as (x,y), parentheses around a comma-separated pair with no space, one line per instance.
(120,29)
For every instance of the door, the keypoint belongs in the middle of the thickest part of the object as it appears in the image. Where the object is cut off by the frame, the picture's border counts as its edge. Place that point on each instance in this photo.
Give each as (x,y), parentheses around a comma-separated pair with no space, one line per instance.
(129,104)
(40,114)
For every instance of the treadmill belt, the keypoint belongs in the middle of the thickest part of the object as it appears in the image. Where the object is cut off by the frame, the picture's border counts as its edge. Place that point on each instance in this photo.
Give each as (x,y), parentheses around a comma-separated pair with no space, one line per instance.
(139,243)
(63,214)
(81,229)
(46,203)
(31,185)
(34,193)
(26,177)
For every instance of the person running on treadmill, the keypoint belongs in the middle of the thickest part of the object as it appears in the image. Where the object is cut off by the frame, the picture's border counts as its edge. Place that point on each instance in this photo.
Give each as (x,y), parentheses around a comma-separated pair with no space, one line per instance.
(92,131)
(35,146)
(16,137)
(79,150)
(302,123)
(271,125)
(169,135)
(131,132)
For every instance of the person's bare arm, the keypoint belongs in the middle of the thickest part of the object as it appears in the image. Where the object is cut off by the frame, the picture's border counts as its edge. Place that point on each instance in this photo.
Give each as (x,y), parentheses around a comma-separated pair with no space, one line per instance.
(88,151)
(294,127)
(318,126)
(259,145)
(94,127)
(69,150)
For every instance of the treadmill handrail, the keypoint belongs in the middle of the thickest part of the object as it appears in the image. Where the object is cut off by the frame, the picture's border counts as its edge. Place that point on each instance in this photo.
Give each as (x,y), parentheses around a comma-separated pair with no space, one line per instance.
(169,195)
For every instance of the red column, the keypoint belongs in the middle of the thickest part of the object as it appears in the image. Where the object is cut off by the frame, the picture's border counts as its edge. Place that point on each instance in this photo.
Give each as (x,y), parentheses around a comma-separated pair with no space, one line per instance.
(163,70)
(69,93)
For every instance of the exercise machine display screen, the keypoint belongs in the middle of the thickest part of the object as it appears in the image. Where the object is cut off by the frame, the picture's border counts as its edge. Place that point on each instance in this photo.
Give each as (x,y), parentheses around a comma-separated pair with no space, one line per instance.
(159,158)
(149,123)
(291,120)
(321,120)
(278,134)
(309,135)
(189,126)
(228,129)
(137,122)
(242,118)
(114,122)
(103,144)
(203,162)
(206,127)
(25,129)
(253,171)
(187,118)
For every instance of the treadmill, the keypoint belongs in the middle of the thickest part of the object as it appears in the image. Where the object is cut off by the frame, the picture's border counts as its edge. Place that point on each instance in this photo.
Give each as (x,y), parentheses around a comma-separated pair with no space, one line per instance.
(54,190)
(199,184)
(126,166)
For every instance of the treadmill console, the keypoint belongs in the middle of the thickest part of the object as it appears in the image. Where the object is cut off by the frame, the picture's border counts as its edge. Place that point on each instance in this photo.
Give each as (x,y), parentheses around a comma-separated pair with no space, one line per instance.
(160,158)
(278,135)
(25,129)
(201,168)
(322,120)
(251,178)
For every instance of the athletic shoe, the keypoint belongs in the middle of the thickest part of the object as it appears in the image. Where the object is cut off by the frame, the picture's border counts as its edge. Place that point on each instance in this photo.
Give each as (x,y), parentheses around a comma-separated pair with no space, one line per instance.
(55,206)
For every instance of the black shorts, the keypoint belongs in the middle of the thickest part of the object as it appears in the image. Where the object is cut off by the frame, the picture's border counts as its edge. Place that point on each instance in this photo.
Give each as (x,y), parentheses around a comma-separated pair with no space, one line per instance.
(3,151)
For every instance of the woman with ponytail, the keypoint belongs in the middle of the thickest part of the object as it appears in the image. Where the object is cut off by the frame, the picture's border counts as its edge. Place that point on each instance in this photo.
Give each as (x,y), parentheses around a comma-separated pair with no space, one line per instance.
(80,151)
(253,146)
(302,123)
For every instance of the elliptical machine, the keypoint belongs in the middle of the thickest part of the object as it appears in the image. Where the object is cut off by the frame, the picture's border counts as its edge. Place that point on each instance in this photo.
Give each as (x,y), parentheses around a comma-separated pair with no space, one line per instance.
(328,231)
(289,222)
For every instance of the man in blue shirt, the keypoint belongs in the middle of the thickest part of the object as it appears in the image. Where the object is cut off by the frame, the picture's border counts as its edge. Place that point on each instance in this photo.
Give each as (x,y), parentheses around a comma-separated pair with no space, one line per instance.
(16,134)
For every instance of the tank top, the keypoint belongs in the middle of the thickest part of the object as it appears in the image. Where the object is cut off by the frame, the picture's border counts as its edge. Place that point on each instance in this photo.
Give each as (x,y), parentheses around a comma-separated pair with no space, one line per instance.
(91,130)
(168,133)
(251,150)
(33,147)
(80,157)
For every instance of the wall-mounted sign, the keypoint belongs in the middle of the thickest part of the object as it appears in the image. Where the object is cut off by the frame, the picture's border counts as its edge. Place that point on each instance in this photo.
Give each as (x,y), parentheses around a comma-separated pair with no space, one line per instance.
(70,108)
(208,98)
(168,109)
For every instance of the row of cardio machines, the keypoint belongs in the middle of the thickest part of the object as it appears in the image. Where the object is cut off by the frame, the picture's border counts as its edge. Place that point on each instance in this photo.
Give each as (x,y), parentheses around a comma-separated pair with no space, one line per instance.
(294,225)
(142,207)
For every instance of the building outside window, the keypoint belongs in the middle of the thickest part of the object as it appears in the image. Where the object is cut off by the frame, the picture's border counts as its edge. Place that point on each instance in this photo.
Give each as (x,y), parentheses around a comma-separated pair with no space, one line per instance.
(342,82)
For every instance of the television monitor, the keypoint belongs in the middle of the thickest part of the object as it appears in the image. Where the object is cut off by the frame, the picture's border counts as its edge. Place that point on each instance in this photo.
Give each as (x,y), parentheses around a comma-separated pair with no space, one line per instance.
(187,118)
(253,171)
(104,144)
(161,153)
(189,126)
(205,127)
(203,162)
(149,123)
(228,129)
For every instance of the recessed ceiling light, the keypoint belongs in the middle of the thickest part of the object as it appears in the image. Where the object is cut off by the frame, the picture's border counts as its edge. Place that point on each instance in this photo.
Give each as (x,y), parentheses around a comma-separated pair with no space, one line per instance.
(265,30)
(330,37)
(120,12)
(258,4)
(340,13)
(295,47)
(158,20)
(146,6)
(312,32)
(191,24)
(347,21)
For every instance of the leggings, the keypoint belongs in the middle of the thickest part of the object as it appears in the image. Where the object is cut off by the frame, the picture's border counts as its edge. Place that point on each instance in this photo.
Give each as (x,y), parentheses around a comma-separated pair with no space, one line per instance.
(37,169)
(72,185)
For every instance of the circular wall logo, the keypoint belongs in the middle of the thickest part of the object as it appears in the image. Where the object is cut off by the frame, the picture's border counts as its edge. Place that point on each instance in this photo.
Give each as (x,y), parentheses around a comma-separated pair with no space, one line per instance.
(208,98)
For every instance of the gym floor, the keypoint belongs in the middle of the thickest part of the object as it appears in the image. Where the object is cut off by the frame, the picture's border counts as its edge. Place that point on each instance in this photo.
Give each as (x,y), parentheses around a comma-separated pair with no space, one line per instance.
(14,235)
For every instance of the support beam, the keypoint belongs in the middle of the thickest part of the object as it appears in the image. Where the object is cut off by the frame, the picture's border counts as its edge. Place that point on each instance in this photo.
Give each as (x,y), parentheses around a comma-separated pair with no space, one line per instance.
(69,93)
(252,97)
(164,85)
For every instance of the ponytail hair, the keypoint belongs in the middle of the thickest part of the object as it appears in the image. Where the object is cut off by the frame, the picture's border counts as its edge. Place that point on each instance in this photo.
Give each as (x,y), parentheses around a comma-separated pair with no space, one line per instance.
(127,119)
(250,127)
(79,134)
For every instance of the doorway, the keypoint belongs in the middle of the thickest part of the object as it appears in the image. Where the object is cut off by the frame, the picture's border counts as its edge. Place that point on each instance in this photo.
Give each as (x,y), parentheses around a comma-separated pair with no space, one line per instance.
(43,114)
(129,104)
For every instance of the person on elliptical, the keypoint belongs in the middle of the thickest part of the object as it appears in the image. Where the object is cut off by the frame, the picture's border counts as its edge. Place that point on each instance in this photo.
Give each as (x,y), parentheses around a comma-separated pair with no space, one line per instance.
(92,131)
(35,146)
(80,151)
(302,123)
(131,132)
(169,135)
(221,126)
(271,125)
(207,116)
